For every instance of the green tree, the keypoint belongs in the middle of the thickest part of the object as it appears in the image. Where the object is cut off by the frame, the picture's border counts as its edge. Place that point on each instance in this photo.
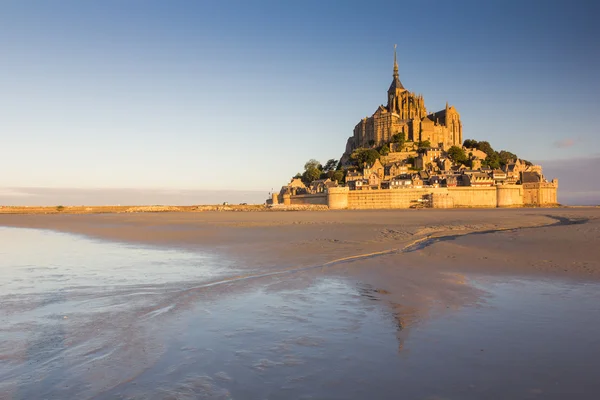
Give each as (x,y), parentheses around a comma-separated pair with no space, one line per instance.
(399,138)
(362,155)
(312,163)
(486,148)
(492,161)
(338,176)
(457,154)
(311,174)
(424,144)
(312,171)
(385,150)
(371,142)
(470,143)
(330,165)
(506,157)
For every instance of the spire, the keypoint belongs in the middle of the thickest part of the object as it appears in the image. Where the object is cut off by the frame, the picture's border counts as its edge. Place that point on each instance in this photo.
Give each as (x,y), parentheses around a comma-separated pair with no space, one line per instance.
(395,64)
(396,84)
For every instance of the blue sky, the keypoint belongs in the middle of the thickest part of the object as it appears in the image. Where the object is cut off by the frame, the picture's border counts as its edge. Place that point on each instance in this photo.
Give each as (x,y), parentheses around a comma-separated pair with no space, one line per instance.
(218,95)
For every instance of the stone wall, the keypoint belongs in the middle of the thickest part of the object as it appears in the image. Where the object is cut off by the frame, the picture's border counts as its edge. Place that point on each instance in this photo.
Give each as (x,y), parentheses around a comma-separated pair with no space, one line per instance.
(538,194)
(442,200)
(385,198)
(468,196)
(337,198)
(316,199)
(431,197)
(509,196)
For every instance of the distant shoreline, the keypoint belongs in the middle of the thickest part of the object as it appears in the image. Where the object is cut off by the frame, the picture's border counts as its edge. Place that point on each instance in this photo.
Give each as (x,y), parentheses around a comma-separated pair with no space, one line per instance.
(124,209)
(192,209)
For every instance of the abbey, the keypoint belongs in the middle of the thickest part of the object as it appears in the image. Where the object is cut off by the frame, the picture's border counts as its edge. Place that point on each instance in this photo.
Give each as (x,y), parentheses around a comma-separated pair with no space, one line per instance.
(406,157)
(405,112)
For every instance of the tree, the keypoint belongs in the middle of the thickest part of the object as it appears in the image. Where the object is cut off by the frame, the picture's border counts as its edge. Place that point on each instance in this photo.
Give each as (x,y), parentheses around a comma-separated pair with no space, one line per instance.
(312,171)
(399,138)
(311,174)
(506,157)
(457,154)
(385,150)
(492,161)
(424,144)
(470,143)
(330,165)
(486,148)
(338,176)
(312,163)
(371,142)
(298,175)
(362,155)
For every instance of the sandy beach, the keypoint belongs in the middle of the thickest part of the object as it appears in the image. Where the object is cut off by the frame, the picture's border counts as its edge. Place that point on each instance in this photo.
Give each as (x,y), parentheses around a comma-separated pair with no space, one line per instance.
(283,304)
(421,254)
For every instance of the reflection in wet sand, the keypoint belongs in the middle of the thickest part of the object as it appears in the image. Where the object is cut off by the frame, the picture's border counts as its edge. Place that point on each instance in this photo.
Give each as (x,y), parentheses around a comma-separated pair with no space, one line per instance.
(87,319)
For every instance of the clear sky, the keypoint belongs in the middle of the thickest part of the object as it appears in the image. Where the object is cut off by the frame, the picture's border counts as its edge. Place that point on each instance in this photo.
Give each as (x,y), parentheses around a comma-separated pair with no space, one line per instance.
(238,95)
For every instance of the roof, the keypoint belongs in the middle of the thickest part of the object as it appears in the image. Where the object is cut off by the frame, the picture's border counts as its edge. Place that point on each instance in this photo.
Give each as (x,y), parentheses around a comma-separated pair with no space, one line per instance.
(317,181)
(530,177)
(480,176)
(439,116)
(427,120)
(402,177)
(396,84)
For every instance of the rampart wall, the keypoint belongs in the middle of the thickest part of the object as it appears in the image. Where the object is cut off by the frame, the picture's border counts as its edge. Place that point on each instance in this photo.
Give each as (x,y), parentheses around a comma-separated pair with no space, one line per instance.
(540,193)
(467,196)
(302,199)
(535,194)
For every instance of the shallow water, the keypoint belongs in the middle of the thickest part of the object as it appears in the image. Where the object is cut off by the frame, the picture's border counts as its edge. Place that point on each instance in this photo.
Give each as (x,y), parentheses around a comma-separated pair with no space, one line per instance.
(88,319)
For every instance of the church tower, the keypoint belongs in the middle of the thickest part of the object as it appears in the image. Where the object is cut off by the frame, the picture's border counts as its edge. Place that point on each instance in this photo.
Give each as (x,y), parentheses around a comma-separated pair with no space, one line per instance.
(395,91)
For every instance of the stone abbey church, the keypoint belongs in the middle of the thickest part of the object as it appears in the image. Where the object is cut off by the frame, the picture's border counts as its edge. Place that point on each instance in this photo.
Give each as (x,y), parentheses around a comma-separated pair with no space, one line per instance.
(405,112)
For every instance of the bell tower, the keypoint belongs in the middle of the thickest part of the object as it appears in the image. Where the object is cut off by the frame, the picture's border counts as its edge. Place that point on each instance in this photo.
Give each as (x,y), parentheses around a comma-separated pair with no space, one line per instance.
(395,91)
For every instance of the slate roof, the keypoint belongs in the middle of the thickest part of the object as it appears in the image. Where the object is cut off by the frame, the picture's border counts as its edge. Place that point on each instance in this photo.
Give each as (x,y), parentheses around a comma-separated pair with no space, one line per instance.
(396,84)
(530,177)
(439,116)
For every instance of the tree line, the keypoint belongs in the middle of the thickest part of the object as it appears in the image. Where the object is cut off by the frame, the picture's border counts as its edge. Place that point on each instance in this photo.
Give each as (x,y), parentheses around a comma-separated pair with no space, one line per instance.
(494,159)
(314,170)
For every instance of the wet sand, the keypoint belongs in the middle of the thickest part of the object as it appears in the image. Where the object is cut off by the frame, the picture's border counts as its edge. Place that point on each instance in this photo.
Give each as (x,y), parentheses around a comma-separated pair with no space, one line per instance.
(416,258)
(296,272)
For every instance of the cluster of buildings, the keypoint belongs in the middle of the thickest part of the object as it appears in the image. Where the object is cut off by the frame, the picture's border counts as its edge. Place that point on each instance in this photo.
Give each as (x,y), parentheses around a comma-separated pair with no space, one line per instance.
(440,173)
(433,168)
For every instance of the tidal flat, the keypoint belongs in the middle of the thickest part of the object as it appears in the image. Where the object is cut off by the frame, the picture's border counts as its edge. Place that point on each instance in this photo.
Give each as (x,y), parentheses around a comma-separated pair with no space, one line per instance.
(424,304)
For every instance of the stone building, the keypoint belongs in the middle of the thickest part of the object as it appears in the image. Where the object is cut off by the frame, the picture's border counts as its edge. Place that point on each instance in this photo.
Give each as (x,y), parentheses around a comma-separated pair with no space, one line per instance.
(406,113)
